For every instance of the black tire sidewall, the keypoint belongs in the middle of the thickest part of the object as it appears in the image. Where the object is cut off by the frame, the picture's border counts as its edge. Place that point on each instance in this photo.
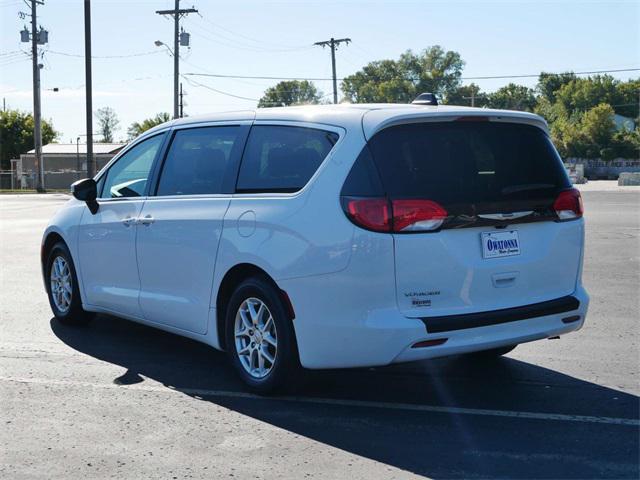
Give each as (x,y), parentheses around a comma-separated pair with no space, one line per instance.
(75,314)
(286,357)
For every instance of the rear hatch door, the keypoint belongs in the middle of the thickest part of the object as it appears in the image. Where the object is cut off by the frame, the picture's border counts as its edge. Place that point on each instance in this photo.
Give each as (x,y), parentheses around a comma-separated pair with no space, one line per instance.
(502,244)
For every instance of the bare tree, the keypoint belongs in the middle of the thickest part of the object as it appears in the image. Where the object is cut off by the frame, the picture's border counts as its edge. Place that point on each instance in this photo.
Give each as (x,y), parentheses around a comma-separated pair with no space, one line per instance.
(108,123)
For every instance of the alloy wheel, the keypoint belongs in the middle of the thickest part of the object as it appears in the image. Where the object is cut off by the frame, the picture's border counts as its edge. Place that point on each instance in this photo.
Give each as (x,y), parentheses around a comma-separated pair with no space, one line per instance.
(256,338)
(61,284)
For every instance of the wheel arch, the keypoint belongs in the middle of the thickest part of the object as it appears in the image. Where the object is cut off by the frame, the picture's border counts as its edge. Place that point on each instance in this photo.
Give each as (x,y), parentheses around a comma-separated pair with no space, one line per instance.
(51,237)
(49,241)
(234,277)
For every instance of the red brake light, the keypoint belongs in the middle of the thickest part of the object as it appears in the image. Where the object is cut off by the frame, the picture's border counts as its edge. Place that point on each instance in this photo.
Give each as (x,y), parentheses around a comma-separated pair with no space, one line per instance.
(403,215)
(412,215)
(370,213)
(568,205)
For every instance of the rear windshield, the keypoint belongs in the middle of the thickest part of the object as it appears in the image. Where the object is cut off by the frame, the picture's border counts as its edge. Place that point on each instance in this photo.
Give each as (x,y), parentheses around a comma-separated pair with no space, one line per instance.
(468,162)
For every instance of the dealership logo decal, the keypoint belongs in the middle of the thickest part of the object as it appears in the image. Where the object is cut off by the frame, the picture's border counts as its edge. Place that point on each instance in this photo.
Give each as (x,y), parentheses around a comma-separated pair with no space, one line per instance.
(502,245)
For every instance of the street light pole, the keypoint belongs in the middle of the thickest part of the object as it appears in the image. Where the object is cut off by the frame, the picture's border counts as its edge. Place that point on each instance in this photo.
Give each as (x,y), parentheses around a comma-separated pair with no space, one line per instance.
(91,165)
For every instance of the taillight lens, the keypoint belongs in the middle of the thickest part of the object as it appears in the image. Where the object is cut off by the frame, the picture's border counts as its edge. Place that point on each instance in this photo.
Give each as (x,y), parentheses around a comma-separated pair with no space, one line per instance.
(406,215)
(411,215)
(568,205)
(370,213)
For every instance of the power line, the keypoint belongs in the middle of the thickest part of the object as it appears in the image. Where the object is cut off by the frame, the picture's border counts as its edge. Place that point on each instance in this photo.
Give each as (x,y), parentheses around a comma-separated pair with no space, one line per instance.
(139,54)
(533,75)
(2,54)
(198,84)
(260,42)
(493,77)
(236,44)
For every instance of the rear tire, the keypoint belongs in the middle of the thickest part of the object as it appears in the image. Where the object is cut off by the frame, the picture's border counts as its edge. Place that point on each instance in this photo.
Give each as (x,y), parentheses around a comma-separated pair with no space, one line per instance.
(62,287)
(260,340)
(494,352)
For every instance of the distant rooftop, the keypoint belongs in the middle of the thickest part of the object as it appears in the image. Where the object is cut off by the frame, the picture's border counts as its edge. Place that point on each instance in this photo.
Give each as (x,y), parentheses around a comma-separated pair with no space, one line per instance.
(69,148)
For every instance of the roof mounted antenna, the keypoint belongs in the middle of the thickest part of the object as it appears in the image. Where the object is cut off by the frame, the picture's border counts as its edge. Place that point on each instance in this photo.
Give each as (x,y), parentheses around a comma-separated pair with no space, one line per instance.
(425,99)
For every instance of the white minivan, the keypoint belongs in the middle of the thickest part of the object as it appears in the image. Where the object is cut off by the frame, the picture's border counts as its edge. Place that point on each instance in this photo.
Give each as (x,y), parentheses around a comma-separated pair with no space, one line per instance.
(329,236)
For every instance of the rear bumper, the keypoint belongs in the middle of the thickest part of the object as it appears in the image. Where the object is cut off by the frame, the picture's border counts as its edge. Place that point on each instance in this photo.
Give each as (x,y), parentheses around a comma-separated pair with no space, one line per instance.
(341,333)
(505,333)
(450,323)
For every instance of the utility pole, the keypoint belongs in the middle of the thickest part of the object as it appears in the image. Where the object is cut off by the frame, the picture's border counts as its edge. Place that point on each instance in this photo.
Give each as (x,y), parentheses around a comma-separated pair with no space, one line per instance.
(37,122)
(91,161)
(333,43)
(177,13)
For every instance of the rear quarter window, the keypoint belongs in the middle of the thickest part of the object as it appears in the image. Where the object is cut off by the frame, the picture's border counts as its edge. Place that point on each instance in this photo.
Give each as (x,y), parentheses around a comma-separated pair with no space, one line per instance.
(281,158)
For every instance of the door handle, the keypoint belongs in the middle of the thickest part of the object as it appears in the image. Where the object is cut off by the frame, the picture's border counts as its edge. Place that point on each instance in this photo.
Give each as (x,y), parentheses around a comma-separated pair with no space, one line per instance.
(146,220)
(128,221)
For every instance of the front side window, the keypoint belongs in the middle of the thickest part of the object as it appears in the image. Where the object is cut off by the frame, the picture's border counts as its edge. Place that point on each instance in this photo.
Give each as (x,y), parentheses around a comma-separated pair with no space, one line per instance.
(281,158)
(197,161)
(129,175)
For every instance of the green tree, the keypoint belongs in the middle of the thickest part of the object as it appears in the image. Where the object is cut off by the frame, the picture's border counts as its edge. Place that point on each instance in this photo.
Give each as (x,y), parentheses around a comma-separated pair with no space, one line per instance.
(582,94)
(464,94)
(581,118)
(597,128)
(593,135)
(400,81)
(513,97)
(137,128)
(107,123)
(626,144)
(16,135)
(627,99)
(550,83)
(290,92)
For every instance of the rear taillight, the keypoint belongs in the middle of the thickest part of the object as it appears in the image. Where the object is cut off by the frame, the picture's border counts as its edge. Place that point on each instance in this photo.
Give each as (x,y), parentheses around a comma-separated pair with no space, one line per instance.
(405,215)
(568,205)
(370,213)
(417,215)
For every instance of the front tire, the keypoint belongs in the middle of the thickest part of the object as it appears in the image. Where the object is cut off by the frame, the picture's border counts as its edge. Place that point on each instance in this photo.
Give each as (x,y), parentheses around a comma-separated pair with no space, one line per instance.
(260,340)
(62,287)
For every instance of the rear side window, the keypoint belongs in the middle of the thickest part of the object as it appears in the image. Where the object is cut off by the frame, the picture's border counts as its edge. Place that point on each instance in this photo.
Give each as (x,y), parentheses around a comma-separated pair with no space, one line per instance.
(468,163)
(281,158)
(197,161)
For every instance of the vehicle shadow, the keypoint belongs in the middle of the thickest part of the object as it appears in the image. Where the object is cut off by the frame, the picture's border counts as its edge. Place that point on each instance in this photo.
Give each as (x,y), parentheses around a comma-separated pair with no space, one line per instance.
(426,442)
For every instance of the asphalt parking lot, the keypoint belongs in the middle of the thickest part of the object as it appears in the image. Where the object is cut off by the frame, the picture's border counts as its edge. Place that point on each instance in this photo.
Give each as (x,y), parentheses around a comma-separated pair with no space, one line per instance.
(119,400)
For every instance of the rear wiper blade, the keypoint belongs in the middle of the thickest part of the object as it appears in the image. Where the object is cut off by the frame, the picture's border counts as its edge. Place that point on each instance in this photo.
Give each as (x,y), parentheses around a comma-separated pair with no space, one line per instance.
(525,187)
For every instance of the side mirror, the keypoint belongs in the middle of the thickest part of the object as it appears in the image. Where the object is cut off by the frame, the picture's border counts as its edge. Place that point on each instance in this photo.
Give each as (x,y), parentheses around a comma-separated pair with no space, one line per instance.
(86,190)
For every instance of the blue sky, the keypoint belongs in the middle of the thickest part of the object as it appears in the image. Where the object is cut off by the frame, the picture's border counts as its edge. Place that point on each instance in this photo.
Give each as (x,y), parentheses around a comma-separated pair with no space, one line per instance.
(274,38)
